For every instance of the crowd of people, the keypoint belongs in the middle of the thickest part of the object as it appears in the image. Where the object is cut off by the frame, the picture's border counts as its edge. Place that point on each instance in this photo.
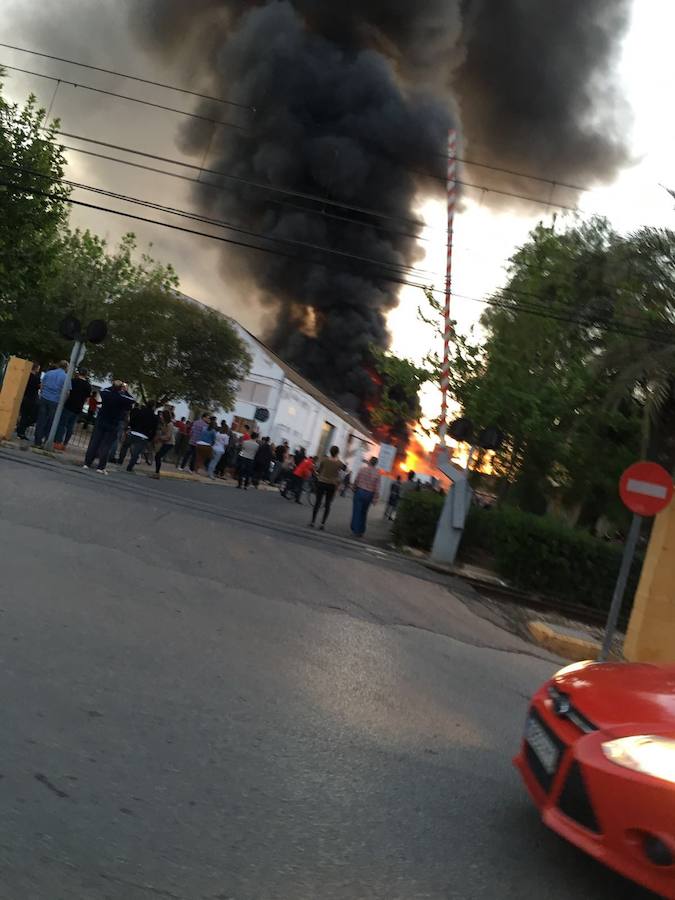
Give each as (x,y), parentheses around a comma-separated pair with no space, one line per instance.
(124,428)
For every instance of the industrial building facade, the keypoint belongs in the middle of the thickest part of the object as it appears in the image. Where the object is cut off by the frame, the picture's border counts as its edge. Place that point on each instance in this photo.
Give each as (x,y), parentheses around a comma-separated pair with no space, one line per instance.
(293,409)
(277,401)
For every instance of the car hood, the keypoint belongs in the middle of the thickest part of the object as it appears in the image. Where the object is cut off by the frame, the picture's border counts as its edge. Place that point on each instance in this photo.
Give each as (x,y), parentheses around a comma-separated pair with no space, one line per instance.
(613,694)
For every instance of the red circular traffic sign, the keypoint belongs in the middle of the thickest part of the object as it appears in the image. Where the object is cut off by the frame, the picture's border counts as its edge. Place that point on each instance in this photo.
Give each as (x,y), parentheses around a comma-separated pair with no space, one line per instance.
(646,488)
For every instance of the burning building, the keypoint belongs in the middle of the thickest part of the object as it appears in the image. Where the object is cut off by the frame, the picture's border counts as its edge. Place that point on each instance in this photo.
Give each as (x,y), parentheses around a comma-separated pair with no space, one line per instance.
(348,107)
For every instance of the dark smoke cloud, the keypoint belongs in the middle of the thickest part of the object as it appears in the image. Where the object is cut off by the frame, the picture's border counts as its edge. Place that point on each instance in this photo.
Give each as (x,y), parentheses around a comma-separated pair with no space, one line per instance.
(536,87)
(353,101)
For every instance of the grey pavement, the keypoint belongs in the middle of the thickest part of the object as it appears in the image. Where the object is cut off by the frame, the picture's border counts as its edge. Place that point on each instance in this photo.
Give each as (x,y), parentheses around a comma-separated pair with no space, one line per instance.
(204,701)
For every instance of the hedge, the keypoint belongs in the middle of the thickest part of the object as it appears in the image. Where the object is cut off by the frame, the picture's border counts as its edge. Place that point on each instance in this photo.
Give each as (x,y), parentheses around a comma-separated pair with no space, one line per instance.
(416,519)
(534,553)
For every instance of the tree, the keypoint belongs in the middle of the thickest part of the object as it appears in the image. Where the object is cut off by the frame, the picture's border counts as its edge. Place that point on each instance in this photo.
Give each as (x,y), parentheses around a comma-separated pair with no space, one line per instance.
(169,348)
(396,405)
(165,346)
(641,368)
(536,374)
(33,211)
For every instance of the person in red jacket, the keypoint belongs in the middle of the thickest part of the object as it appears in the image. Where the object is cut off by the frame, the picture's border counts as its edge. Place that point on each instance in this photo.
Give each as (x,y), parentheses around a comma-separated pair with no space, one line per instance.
(301,473)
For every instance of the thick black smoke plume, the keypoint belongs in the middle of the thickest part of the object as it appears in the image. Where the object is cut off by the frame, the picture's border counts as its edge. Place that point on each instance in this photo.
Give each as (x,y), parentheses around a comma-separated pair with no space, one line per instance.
(353,100)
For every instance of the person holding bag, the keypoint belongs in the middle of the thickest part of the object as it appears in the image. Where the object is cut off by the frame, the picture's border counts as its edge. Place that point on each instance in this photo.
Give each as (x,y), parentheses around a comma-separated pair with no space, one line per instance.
(163,439)
(220,445)
(204,446)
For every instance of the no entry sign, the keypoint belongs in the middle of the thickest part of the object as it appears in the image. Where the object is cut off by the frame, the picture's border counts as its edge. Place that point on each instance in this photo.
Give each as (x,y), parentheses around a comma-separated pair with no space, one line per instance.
(646,488)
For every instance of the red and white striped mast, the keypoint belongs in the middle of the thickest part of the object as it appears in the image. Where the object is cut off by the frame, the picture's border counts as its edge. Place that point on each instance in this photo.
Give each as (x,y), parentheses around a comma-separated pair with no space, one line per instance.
(447,321)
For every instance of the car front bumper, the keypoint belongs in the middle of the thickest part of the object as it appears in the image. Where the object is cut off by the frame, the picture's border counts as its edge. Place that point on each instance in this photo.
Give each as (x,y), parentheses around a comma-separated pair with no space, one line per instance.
(622,818)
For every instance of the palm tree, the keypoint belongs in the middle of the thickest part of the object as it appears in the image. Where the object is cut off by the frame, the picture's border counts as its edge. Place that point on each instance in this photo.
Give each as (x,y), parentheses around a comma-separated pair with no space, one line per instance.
(641,364)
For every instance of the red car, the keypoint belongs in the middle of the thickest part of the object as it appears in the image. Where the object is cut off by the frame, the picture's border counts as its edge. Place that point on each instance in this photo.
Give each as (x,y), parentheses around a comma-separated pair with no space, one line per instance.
(598,758)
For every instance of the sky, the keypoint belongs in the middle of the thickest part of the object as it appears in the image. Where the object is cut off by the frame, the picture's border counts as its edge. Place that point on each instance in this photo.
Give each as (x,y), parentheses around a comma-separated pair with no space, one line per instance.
(483,237)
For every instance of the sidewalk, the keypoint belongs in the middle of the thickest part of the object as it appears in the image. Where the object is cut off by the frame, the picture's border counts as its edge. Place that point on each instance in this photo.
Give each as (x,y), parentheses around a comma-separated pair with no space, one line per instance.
(75,456)
(263,503)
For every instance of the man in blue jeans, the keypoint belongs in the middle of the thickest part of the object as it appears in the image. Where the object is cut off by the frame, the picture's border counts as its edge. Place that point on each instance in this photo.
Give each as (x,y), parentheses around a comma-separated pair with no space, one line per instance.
(115,403)
(50,394)
(79,392)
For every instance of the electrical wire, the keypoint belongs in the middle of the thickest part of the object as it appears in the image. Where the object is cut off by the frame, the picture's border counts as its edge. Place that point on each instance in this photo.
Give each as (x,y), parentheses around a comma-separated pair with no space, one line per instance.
(88,87)
(483,189)
(201,96)
(159,84)
(198,217)
(533,309)
(237,179)
(217,187)
(187,91)
(410,271)
(319,212)
(313,198)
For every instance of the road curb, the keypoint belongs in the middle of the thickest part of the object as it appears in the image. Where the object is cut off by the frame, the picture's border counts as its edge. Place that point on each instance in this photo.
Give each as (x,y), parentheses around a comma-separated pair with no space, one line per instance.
(573,648)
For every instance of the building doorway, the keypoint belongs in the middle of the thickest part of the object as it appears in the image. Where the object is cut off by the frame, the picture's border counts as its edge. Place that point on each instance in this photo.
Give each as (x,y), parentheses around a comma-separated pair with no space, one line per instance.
(327,434)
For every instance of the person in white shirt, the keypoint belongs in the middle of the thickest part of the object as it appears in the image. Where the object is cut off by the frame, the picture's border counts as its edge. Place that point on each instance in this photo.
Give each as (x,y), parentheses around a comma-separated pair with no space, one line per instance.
(219,447)
(246,460)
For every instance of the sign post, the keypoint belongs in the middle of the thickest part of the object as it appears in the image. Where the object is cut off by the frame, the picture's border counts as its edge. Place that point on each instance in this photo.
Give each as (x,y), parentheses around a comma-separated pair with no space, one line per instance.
(646,489)
(65,390)
(71,329)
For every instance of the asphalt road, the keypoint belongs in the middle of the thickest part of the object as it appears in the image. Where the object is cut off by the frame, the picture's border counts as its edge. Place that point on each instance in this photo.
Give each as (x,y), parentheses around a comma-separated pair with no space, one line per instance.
(204,702)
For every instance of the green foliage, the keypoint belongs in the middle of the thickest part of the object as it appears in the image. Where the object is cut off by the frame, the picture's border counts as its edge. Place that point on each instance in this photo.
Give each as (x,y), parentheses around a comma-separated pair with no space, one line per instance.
(32,213)
(165,347)
(533,553)
(545,556)
(561,373)
(398,404)
(416,519)
(170,348)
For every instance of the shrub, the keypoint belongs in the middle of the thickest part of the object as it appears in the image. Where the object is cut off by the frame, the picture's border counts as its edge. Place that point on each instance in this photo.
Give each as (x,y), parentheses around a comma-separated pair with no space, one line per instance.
(416,519)
(546,556)
(535,553)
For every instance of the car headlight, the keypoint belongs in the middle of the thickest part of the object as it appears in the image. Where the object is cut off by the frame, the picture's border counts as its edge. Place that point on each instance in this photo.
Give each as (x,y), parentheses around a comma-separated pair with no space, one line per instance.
(574,667)
(647,753)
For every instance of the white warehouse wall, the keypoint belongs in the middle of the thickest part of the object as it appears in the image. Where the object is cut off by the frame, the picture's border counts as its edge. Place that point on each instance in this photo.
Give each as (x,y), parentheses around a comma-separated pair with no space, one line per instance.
(295,415)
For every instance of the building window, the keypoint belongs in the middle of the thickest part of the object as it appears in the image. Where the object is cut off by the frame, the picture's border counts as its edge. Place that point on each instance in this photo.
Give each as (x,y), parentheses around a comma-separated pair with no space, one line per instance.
(261,395)
(252,392)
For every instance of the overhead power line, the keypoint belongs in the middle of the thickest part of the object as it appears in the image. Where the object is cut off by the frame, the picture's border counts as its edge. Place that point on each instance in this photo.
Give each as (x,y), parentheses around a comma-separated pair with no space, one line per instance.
(414,270)
(316,198)
(481,188)
(584,320)
(189,92)
(198,217)
(551,181)
(159,84)
(411,271)
(218,187)
(96,90)
(321,212)
(237,179)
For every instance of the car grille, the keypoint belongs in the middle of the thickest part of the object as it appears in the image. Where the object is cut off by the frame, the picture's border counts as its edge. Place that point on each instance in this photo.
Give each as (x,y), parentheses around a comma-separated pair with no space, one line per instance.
(564,709)
(544,777)
(574,800)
